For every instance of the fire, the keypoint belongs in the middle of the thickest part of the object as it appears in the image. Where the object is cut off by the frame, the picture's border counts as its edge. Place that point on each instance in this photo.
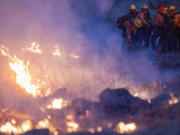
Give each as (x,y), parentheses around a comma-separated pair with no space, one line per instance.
(11,127)
(43,123)
(23,76)
(46,124)
(57,103)
(123,128)
(72,126)
(34,48)
(56,51)
(173,100)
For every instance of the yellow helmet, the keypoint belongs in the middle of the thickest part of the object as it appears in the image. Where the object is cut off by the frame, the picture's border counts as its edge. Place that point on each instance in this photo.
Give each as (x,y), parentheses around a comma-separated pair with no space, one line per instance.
(145,7)
(172,7)
(132,7)
(137,23)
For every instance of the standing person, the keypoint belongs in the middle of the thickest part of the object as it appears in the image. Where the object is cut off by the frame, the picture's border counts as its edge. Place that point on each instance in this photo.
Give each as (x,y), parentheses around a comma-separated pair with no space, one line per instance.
(146,20)
(159,24)
(126,24)
(177,26)
(172,34)
(121,24)
(131,26)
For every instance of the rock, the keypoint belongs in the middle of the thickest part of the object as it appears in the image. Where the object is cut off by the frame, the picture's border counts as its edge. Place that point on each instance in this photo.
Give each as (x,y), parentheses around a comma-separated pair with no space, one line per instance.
(38,132)
(80,106)
(120,100)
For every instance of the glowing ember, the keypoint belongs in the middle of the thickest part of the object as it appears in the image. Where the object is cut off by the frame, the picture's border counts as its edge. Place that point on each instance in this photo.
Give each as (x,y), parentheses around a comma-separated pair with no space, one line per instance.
(23,76)
(56,51)
(125,128)
(72,126)
(173,100)
(99,129)
(57,103)
(46,124)
(91,130)
(136,94)
(9,127)
(43,123)
(34,48)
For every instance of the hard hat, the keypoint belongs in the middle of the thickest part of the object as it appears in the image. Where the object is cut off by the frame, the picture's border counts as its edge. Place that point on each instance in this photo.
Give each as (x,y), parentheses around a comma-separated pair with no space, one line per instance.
(160,6)
(132,7)
(137,23)
(144,7)
(172,7)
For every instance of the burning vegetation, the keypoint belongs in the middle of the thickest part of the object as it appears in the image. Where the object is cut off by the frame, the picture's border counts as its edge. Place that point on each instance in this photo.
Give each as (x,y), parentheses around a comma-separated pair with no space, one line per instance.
(117,111)
(53,90)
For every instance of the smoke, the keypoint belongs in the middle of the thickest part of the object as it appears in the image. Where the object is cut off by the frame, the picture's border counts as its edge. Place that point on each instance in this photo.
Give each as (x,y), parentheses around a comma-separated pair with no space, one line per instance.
(91,60)
(80,28)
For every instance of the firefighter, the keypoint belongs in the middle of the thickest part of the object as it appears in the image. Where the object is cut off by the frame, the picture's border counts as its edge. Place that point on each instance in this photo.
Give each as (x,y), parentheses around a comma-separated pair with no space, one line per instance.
(172,34)
(125,24)
(122,26)
(160,28)
(132,23)
(146,20)
(177,27)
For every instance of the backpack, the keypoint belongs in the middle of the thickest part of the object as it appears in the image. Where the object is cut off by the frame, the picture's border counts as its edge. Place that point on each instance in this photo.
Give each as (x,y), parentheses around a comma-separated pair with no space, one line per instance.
(121,22)
(137,22)
(177,20)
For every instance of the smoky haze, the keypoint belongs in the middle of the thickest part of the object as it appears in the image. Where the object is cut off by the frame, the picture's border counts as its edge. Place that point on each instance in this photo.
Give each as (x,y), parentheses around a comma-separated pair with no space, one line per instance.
(79,27)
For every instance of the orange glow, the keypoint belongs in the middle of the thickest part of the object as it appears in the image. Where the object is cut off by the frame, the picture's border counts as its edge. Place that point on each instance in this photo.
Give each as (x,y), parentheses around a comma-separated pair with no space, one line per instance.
(125,128)
(72,126)
(57,103)
(173,100)
(46,124)
(10,127)
(23,76)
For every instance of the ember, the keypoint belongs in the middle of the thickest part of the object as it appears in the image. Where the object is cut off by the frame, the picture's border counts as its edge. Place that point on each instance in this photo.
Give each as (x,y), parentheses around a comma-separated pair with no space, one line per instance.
(57,103)
(125,128)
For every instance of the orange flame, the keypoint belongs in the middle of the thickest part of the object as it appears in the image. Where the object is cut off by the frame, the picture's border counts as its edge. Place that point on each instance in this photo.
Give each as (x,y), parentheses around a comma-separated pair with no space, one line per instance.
(57,103)
(10,127)
(23,76)
(46,124)
(125,128)
(173,100)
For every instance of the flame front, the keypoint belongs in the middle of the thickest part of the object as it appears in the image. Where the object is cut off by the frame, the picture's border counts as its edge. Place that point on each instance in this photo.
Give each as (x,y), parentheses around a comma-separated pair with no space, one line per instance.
(123,128)
(23,76)
(10,127)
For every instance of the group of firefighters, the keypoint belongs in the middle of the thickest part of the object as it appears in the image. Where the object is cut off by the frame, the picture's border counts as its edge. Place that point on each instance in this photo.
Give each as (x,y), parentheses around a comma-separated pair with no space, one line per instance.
(161,34)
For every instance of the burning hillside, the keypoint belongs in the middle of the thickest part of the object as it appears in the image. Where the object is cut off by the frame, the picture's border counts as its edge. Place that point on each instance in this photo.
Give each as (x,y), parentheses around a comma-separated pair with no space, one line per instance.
(63,72)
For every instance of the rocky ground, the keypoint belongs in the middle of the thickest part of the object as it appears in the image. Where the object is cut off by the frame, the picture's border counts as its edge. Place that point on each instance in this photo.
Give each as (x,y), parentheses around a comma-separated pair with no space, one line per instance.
(156,117)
